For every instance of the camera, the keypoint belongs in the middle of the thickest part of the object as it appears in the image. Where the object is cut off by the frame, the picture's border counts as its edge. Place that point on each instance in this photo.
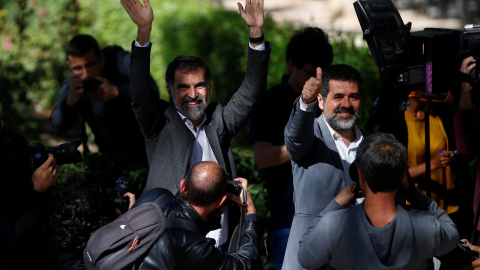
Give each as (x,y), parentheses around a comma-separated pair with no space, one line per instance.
(63,153)
(116,194)
(458,257)
(90,84)
(234,187)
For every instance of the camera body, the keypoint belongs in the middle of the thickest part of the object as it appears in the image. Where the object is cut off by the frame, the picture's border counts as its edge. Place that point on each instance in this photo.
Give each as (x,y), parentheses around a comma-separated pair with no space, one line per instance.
(63,153)
(234,187)
(116,194)
(90,84)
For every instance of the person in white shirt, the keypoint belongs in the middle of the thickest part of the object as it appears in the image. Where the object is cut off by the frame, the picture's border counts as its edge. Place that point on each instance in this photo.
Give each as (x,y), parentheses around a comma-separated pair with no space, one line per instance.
(322,149)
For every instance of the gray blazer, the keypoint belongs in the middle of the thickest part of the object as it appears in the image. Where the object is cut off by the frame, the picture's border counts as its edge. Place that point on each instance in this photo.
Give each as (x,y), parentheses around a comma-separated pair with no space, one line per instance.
(343,239)
(169,142)
(318,173)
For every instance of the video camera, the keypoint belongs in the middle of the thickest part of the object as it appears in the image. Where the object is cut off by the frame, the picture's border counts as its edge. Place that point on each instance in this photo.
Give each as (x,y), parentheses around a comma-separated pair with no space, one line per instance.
(63,153)
(427,60)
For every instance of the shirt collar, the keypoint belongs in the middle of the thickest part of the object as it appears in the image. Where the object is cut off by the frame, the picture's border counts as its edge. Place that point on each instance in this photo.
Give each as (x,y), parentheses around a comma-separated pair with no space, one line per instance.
(188,122)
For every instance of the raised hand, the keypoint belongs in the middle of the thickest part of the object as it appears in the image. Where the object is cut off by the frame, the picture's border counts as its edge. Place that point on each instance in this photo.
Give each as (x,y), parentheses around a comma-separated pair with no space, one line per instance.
(312,88)
(253,13)
(253,16)
(142,16)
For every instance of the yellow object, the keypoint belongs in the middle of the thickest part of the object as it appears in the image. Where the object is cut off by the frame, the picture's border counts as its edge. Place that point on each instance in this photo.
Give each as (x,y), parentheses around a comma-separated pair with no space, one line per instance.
(441,178)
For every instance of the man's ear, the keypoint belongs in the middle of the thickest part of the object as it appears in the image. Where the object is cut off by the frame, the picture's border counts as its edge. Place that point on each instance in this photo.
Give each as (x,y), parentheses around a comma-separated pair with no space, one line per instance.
(209,86)
(361,177)
(182,187)
(320,101)
(220,201)
(169,91)
(291,65)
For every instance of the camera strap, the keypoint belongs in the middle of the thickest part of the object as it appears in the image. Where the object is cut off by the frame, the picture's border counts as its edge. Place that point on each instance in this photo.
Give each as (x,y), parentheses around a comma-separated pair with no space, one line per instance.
(240,229)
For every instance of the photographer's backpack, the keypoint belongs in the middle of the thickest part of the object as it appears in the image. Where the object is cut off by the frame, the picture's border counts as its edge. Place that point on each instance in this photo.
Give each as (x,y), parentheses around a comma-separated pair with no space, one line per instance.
(125,242)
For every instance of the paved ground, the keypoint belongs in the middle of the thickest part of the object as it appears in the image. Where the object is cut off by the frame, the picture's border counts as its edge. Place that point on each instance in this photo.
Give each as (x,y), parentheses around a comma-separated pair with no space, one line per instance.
(336,14)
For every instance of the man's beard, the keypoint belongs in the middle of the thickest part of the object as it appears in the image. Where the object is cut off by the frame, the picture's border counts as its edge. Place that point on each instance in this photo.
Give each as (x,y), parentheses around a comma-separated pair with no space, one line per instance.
(343,124)
(193,114)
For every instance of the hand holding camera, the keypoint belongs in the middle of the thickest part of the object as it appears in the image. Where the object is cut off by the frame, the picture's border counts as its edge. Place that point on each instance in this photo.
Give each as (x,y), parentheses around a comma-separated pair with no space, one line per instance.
(243,197)
(103,90)
(45,176)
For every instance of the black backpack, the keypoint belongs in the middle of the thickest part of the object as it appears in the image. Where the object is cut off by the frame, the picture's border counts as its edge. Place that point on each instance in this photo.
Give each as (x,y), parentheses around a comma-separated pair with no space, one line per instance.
(125,242)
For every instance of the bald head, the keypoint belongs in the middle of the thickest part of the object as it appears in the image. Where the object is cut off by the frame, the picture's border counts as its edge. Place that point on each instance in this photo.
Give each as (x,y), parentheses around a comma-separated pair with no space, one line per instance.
(205,184)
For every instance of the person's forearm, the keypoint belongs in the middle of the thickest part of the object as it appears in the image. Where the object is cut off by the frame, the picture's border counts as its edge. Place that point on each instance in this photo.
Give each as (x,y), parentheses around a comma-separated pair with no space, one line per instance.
(145,102)
(143,34)
(269,155)
(466,141)
(465,102)
(63,117)
(417,171)
(299,133)
(255,32)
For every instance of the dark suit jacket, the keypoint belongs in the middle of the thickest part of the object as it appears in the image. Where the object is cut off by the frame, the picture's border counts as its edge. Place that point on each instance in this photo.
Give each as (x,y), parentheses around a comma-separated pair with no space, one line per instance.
(169,142)
(318,173)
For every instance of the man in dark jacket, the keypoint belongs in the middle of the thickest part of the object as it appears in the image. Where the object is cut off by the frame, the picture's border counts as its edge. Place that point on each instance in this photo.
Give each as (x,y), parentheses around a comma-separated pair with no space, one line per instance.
(203,193)
(98,90)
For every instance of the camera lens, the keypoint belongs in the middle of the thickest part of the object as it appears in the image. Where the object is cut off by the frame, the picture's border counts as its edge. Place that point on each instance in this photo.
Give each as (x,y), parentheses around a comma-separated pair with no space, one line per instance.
(67,152)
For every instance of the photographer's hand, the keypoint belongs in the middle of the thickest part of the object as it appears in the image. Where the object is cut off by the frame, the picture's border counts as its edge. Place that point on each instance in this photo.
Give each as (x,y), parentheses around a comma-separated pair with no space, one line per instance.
(45,176)
(345,196)
(131,200)
(75,88)
(475,265)
(466,100)
(312,88)
(105,92)
(239,199)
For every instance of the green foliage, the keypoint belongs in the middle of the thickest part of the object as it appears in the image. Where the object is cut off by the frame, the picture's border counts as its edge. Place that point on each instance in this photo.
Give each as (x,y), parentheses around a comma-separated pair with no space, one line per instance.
(108,168)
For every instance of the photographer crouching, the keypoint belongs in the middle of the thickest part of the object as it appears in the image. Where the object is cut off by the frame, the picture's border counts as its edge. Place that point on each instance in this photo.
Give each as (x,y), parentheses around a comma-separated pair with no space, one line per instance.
(203,192)
(22,202)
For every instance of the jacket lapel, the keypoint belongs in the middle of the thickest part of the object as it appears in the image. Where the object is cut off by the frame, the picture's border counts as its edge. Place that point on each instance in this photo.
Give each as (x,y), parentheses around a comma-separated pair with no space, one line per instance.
(215,144)
(329,142)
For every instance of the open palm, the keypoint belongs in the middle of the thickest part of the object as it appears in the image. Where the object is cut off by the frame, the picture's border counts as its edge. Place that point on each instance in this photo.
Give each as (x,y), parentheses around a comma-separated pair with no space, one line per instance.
(253,13)
(141,15)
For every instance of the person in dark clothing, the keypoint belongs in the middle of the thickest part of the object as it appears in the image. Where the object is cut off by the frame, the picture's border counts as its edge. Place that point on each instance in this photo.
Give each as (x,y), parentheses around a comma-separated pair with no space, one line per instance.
(77,209)
(24,199)
(307,49)
(98,90)
(203,191)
